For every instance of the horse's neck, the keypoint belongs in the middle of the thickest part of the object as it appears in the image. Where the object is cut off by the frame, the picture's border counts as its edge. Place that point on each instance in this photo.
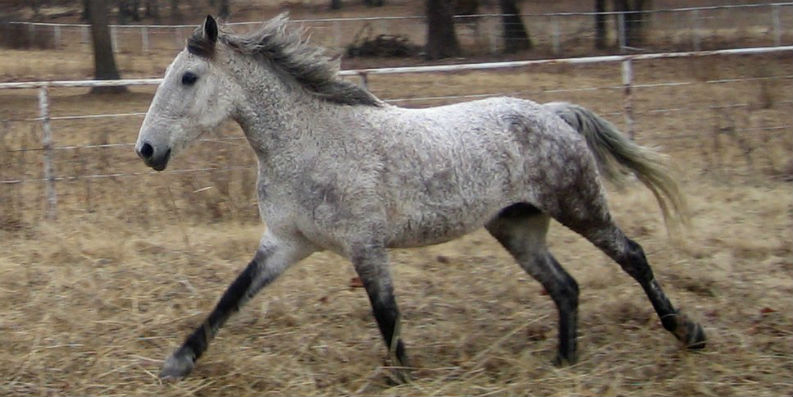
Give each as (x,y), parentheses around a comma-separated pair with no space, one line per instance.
(277,120)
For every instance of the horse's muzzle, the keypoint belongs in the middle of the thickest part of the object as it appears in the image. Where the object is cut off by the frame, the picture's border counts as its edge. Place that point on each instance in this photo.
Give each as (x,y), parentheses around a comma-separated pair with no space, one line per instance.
(155,160)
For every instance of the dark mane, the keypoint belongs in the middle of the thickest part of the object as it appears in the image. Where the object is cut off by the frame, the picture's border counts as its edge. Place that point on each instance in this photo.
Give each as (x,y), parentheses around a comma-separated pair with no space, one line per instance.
(292,55)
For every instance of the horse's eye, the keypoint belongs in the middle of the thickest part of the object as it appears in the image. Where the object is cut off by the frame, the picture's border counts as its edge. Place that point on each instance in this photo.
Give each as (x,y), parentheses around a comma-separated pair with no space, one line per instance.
(189,78)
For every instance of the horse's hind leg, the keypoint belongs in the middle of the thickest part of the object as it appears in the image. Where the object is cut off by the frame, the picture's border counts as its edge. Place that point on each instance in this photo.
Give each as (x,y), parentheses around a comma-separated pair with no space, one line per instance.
(594,222)
(631,258)
(521,229)
(270,260)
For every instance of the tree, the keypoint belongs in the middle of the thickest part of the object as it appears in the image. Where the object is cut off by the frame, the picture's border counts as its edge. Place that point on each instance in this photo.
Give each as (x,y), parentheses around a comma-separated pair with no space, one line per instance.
(176,15)
(441,38)
(223,9)
(128,9)
(104,60)
(634,19)
(153,10)
(600,24)
(516,37)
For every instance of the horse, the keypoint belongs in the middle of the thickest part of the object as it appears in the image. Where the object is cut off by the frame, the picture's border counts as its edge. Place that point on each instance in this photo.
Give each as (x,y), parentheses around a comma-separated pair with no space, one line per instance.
(341,170)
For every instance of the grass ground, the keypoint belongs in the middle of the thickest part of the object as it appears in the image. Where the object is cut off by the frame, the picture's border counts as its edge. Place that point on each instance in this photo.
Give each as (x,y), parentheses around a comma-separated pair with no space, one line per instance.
(92,302)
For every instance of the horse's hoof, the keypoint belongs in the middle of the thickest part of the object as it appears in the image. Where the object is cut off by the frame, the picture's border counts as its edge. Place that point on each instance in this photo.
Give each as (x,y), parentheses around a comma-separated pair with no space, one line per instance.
(696,340)
(398,376)
(177,366)
(690,333)
(564,361)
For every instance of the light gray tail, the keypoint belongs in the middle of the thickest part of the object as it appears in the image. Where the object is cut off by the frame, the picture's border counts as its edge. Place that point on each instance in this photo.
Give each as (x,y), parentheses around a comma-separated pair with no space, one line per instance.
(618,156)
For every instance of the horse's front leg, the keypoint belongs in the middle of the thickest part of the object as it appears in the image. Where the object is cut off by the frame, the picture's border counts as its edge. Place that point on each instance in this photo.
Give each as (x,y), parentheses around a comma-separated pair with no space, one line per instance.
(371,264)
(272,257)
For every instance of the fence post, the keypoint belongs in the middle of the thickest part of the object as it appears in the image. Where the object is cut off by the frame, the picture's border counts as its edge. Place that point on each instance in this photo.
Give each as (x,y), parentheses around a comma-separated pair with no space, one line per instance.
(694,29)
(56,36)
(557,48)
(627,83)
(337,34)
(776,24)
(621,31)
(46,143)
(84,34)
(179,37)
(114,38)
(492,36)
(364,80)
(144,39)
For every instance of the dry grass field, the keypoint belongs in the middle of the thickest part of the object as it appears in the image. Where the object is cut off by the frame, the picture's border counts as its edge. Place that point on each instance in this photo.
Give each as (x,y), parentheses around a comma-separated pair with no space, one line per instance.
(93,301)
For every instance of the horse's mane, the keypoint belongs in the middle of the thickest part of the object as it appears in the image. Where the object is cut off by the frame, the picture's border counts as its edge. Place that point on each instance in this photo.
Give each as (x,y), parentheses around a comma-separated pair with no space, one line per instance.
(290,53)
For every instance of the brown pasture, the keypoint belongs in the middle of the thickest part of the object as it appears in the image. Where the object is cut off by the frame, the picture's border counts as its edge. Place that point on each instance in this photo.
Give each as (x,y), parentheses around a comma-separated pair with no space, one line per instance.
(93,301)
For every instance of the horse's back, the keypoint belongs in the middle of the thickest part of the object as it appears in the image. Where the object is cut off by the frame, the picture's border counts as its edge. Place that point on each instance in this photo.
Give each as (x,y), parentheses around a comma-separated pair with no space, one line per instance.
(450,169)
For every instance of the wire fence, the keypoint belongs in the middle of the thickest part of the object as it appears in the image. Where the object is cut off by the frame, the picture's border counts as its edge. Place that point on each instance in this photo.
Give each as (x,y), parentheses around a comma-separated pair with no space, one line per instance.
(679,29)
(624,101)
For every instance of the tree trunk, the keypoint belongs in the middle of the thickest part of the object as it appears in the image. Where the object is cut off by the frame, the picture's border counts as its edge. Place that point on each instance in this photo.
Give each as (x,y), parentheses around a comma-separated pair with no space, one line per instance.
(176,15)
(153,10)
(86,11)
(123,11)
(634,21)
(223,9)
(516,37)
(104,60)
(36,6)
(441,38)
(600,24)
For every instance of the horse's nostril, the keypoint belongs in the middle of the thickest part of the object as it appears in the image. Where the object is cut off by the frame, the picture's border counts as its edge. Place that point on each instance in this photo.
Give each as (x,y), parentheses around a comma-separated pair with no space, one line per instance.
(146,151)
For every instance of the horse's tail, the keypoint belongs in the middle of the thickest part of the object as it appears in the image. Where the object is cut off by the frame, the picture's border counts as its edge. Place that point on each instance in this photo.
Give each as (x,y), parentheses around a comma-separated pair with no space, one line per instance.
(618,156)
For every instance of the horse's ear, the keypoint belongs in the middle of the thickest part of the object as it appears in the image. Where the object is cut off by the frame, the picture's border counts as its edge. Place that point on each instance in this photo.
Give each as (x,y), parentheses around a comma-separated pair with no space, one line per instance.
(211,29)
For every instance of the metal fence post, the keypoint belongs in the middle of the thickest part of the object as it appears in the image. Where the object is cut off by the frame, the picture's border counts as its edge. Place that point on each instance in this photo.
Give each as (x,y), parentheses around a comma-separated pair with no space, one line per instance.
(337,34)
(144,39)
(627,83)
(557,48)
(777,28)
(46,143)
(364,80)
(694,29)
(621,31)
(56,36)
(492,36)
(114,38)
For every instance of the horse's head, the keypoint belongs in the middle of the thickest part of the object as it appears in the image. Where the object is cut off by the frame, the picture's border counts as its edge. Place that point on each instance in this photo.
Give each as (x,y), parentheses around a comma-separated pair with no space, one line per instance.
(195,96)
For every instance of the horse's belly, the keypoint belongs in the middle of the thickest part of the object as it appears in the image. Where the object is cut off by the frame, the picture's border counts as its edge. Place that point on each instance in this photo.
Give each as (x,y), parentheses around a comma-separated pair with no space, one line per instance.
(429,226)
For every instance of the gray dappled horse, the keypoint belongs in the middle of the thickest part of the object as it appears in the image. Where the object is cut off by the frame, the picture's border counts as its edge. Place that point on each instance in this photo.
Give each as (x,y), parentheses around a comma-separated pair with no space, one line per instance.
(341,170)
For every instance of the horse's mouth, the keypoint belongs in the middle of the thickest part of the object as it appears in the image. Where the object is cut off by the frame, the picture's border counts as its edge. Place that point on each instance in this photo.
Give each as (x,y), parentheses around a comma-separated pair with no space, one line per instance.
(160,162)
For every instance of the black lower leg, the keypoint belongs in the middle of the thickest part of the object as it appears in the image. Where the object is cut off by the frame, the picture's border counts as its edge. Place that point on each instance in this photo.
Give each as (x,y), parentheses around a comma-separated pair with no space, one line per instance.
(634,262)
(235,295)
(371,264)
(247,283)
(386,315)
(564,292)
